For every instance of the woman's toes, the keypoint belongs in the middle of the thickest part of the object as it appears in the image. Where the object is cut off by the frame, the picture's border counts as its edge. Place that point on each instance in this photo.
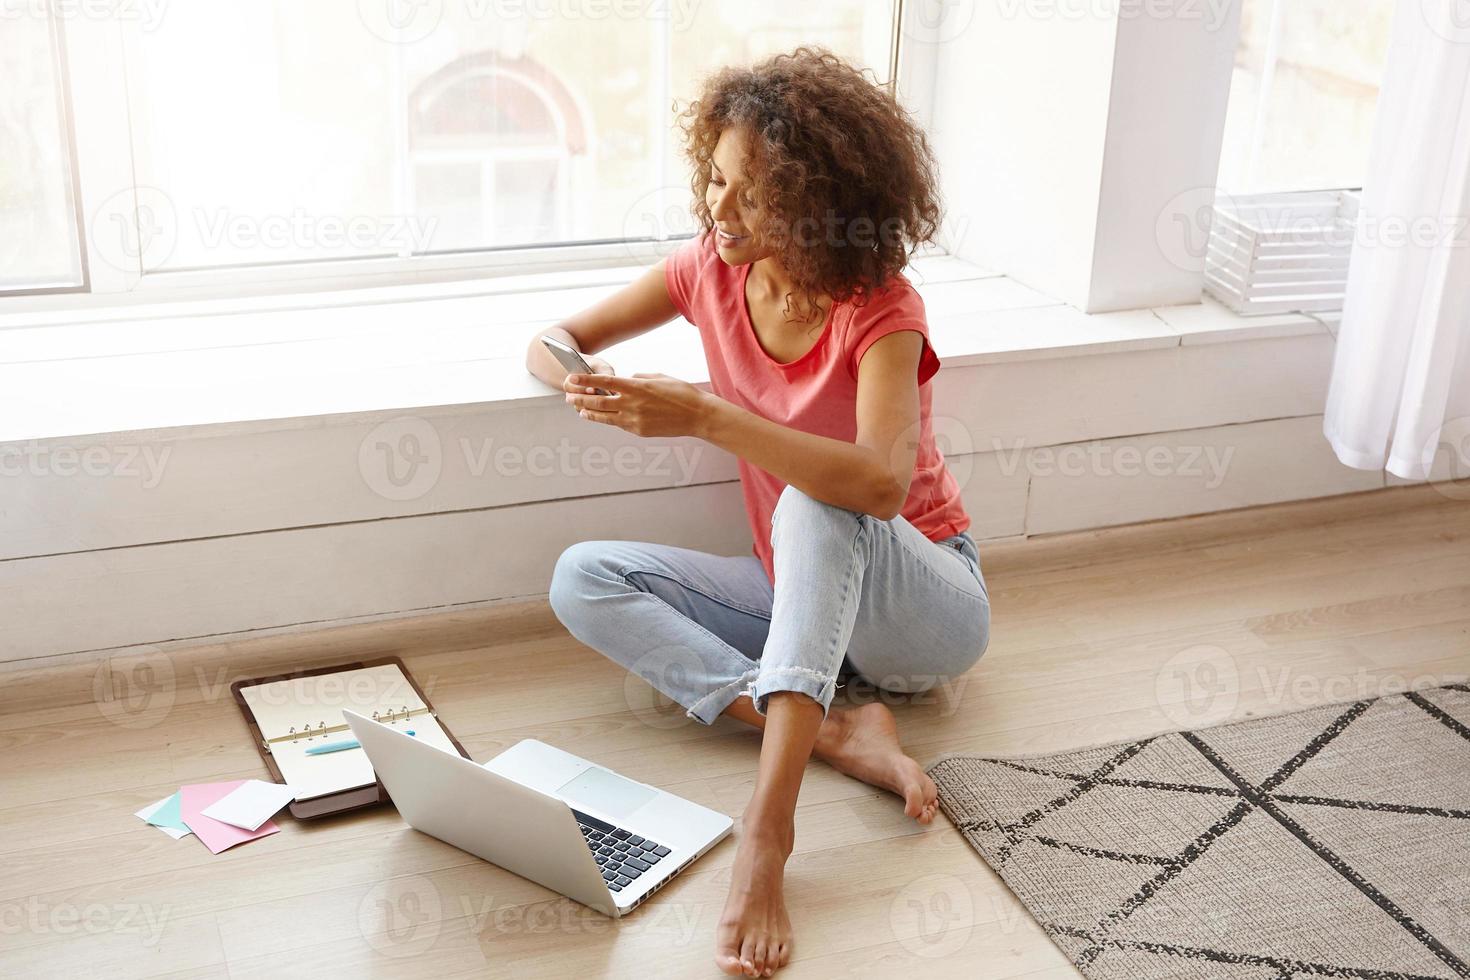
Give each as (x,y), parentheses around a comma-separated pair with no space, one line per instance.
(747,956)
(727,949)
(913,801)
(727,956)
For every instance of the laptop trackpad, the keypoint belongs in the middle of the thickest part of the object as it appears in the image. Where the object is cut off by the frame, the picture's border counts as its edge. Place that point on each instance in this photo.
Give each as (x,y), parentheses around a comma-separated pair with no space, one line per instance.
(602,790)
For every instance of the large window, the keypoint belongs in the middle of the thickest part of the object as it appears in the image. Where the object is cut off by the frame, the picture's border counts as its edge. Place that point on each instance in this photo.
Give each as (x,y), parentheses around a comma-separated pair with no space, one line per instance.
(218,138)
(1303,94)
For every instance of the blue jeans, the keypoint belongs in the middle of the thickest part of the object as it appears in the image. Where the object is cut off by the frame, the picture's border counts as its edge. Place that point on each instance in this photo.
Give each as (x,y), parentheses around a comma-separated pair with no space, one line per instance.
(875,597)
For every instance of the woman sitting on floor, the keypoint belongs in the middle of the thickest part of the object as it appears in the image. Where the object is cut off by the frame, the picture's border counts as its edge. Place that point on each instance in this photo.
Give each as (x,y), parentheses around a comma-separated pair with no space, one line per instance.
(812,187)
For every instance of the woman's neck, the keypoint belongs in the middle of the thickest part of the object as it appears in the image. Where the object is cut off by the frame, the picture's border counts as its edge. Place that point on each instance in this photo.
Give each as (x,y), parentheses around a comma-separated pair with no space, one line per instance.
(768,279)
(770,283)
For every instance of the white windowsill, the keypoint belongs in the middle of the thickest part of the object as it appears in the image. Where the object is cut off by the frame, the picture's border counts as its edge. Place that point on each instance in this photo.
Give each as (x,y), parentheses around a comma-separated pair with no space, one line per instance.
(261,362)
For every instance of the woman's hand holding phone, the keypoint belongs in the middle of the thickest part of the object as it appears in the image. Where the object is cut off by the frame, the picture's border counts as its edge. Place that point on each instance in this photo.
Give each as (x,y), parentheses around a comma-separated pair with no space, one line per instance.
(574,361)
(598,366)
(645,404)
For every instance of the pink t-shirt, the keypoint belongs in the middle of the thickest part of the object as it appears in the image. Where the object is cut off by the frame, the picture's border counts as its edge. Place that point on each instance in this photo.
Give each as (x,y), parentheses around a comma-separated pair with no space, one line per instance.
(817,392)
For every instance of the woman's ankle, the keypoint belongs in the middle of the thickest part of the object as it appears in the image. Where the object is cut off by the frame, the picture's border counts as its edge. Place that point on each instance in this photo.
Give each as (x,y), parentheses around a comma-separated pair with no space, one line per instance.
(769,829)
(836,728)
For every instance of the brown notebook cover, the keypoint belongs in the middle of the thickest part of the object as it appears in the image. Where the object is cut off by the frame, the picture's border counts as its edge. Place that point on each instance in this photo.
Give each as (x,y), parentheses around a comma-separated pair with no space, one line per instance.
(348,799)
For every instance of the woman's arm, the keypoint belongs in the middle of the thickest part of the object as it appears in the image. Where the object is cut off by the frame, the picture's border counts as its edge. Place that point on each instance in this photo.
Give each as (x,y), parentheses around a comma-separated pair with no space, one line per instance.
(870,475)
(636,308)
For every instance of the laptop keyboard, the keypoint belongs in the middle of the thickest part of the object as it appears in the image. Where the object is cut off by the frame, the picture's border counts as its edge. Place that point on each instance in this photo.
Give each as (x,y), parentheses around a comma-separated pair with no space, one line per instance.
(621,854)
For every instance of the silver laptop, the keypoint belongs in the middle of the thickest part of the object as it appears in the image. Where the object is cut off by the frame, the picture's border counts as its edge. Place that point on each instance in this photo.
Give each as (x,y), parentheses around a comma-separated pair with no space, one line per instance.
(594,836)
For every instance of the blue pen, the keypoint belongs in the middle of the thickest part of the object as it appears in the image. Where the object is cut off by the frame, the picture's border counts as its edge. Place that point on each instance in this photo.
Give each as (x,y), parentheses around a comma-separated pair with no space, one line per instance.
(340,746)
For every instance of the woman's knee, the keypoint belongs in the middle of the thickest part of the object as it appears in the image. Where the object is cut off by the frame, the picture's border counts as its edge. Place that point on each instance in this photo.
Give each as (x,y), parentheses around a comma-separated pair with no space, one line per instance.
(799,512)
(579,573)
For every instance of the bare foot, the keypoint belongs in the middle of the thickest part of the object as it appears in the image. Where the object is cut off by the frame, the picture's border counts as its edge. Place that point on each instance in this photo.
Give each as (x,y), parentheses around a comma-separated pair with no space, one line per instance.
(754,935)
(863,743)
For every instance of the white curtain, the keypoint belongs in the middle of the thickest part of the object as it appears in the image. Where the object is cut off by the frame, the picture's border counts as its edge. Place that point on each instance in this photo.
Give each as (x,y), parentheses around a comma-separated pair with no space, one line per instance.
(1399,397)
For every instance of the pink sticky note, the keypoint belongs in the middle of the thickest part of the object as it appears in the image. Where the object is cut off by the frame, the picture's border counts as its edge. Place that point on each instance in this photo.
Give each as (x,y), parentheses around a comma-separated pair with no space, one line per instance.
(216,835)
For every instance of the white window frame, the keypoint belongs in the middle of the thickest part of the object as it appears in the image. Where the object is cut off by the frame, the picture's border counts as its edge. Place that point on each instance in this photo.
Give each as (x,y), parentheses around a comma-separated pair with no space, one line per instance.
(61,61)
(109,198)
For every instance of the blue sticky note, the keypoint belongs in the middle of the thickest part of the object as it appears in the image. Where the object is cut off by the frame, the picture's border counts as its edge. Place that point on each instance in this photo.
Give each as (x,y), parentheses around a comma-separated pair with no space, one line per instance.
(168,815)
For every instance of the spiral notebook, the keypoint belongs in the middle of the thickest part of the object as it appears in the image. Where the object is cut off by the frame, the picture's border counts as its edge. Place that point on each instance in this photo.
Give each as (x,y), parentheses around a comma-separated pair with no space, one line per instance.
(289,714)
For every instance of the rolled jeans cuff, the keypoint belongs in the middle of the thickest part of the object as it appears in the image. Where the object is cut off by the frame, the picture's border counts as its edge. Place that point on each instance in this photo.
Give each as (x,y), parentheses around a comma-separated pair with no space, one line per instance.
(804,680)
(713,704)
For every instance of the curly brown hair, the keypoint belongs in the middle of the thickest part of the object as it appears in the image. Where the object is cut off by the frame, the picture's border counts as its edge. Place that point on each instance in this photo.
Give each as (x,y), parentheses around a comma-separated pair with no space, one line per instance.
(830,150)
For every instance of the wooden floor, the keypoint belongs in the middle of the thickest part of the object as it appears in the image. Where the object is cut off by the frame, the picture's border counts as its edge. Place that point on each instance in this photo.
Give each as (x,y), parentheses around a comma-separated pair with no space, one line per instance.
(1097,637)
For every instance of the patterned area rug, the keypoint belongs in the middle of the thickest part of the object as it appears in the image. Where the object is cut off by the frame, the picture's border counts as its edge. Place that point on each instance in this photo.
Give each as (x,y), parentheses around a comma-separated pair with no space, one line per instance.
(1331,842)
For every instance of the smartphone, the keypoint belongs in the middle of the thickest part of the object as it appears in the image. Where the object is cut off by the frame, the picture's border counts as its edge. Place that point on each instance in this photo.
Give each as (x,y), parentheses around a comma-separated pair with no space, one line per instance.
(572,360)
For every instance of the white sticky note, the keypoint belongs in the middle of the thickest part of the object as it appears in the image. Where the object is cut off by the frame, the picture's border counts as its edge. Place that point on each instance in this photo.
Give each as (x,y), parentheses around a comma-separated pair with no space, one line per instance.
(250,805)
(153,808)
